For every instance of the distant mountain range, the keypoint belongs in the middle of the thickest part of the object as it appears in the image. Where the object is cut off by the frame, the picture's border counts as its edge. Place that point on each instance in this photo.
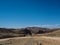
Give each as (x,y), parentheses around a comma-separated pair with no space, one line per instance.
(7,33)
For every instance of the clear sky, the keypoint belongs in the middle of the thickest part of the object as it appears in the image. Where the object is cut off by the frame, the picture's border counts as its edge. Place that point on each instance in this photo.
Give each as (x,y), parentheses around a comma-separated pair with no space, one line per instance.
(23,13)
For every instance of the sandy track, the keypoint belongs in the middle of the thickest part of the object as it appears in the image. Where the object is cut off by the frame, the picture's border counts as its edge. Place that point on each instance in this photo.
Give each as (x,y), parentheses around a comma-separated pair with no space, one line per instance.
(45,37)
(31,40)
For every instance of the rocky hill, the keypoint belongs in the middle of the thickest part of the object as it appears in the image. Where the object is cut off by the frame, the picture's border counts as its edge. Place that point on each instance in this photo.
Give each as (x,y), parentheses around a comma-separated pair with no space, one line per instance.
(6,33)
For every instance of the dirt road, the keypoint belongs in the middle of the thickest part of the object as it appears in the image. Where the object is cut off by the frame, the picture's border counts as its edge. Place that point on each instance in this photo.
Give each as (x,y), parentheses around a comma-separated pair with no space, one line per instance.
(44,40)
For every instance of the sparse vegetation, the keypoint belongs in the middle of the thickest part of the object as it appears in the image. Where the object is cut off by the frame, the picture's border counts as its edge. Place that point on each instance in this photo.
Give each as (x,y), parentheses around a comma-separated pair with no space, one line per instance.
(29,36)
(6,33)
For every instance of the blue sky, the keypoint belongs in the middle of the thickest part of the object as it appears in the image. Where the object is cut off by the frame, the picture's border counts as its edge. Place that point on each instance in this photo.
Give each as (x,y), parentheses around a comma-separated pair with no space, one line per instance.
(23,13)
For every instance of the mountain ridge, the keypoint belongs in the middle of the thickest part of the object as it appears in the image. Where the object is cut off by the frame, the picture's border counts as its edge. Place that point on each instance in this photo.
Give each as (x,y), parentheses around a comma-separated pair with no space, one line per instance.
(22,32)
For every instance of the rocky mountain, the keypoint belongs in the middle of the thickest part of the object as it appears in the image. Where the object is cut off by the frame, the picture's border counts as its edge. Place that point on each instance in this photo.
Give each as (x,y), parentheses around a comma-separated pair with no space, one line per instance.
(6,33)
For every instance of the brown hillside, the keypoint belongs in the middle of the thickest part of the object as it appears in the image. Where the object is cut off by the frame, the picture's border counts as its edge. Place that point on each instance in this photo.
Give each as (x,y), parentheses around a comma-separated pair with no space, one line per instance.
(6,33)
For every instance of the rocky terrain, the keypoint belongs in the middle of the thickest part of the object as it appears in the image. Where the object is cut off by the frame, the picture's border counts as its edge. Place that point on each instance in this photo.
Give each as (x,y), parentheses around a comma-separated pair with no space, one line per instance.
(28,31)
(30,36)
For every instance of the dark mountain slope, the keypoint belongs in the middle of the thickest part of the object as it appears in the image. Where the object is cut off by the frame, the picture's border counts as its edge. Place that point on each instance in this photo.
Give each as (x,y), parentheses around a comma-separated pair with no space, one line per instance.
(5,32)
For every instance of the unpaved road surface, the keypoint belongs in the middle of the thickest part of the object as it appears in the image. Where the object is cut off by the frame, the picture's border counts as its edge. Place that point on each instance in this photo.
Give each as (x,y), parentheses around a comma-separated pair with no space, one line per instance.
(44,40)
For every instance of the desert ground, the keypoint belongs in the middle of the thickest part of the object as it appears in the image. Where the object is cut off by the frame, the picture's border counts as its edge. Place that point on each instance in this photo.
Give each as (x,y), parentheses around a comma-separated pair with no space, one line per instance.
(34,40)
